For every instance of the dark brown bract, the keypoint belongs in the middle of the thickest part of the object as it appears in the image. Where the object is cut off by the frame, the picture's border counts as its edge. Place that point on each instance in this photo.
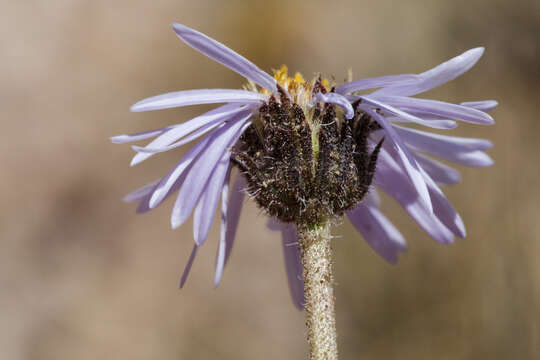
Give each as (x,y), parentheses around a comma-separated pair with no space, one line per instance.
(306,166)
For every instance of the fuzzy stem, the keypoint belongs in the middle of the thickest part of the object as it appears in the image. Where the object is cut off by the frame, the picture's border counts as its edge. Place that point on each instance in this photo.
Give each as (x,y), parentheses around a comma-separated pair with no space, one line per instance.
(319,294)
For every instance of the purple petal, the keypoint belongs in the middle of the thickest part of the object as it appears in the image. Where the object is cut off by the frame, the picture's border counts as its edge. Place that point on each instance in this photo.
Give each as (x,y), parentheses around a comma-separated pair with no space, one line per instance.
(220,257)
(439,108)
(439,172)
(439,75)
(140,193)
(233,213)
(378,231)
(164,187)
(207,205)
(230,215)
(225,56)
(429,120)
(443,209)
(485,105)
(197,178)
(389,177)
(197,133)
(472,159)
(399,113)
(293,264)
(196,97)
(187,269)
(398,149)
(388,112)
(436,144)
(338,100)
(465,151)
(125,138)
(372,83)
(203,123)
(443,124)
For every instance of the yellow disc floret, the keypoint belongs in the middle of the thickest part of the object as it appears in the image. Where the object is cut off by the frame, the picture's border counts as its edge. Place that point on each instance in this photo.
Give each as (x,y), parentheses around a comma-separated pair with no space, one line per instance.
(297,87)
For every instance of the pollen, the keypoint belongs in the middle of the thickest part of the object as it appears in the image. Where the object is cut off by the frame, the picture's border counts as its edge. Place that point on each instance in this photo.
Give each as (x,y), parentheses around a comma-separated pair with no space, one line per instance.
(299,89)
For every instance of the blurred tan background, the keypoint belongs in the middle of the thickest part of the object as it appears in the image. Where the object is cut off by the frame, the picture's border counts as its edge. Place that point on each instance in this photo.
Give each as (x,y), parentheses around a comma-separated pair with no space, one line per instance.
(83,277)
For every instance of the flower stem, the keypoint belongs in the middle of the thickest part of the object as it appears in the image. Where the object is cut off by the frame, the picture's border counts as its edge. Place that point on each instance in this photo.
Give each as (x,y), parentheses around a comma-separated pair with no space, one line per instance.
(318,290)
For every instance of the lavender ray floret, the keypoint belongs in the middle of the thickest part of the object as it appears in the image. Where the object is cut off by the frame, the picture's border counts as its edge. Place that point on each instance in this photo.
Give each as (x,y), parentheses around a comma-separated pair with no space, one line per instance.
(442,143)
(439,75)
(197,133)
(471,159)
(406,160)
(438,108)
(187,269)
(194,135)
(234,209)
(293,263)
(225,56)
(196,97)
(391,179)
(381,235)
(391,114)
(141,192)
(165,185)
(484,105)
(205,121)
(207,205)
(377,82)
(442,208)
(196,180)
(222,245)
(125,138)
(376,103)
(442,124)
(439,172)
(338,100)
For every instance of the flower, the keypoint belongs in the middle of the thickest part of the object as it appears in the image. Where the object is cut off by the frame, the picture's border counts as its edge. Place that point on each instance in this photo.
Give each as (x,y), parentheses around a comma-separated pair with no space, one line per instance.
(310,151)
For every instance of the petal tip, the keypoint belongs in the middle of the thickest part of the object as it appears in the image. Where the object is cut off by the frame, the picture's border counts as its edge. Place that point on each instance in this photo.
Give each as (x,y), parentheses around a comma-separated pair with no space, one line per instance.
(488,120)
(117,139)
(217,280)
(127,199)
(175,224)
(179,28)
(460,227)
(155,199)
(137,159)
(137,107)
(478,50)
(474,54)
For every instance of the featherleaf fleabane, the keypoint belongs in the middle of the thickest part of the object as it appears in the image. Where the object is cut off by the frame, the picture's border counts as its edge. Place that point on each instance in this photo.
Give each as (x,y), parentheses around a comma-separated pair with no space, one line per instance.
(311,151)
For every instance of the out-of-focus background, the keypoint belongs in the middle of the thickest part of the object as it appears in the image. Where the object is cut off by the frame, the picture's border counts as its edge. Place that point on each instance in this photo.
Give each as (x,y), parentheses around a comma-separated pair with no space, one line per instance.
(83,277)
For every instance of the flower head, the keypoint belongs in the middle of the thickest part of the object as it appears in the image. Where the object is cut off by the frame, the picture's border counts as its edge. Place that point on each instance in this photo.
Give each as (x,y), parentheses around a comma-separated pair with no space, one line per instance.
(311,151)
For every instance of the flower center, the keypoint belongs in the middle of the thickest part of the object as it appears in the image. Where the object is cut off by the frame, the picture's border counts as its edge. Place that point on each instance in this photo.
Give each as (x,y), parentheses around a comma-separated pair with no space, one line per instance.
(304,162)
(299,89)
